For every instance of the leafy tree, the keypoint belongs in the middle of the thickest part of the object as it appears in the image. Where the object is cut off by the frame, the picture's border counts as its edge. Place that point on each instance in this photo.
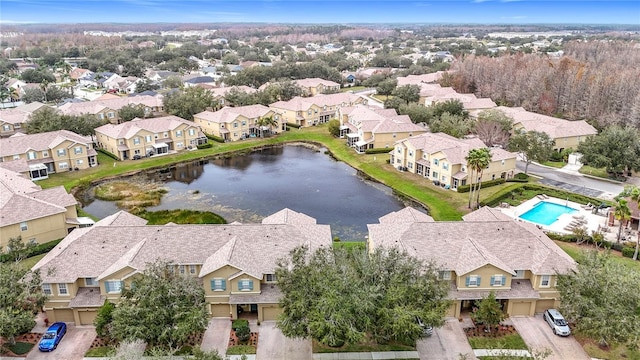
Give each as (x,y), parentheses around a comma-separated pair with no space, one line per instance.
(339,296)
(188,102)
(131,111)
(394,103)
(386,87)
(172,82)
(477,161)
(103,319)
(601,297)
(451,124)
(532,146)
(161,307)
(622,213)
(37,76)
(17,249)
(146,84)
(493,127)
(334,127)
(21,297)
(237,97)
(49,119)
(417,113)
(633,192)
(489,311)
(408,93)
(451,106)
(32,95)
(616,149)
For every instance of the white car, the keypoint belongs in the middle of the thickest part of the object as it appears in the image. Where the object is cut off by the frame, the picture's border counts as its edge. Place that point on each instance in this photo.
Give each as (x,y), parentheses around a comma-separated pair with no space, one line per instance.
(557,322)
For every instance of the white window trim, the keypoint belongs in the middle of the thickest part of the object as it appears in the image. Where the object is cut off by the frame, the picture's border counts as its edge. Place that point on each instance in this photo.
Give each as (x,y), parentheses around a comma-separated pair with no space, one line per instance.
(473,281)
(62,286)
(542,278)
(46,289)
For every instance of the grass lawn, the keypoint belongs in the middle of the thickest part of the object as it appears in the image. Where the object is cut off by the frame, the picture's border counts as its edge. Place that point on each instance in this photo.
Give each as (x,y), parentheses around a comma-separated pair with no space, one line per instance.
(352,88)
(364,347)
(614,351)
(20,348)
(241,349)
(181,217)
(511,341)
(30,261)
(599,172)
(349,245)
(555,164)
(576,251)
(103,351)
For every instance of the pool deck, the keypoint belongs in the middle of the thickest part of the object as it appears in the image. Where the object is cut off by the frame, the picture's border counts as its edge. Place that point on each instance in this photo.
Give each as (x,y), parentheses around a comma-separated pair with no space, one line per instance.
(593,222)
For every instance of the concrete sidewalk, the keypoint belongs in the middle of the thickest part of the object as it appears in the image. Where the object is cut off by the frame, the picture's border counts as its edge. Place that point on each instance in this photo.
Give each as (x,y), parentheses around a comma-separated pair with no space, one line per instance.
(501,352)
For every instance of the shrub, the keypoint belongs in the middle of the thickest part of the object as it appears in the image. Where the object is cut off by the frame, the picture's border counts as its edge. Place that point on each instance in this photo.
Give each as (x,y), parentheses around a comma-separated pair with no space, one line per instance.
(628,252)
(486,184)
(334,128)
(32,251)
(205,146)
(238,323)
(243,333)
(103,319)
(292,125)
(517,180)
(378,151)
(521,176)
(215,138)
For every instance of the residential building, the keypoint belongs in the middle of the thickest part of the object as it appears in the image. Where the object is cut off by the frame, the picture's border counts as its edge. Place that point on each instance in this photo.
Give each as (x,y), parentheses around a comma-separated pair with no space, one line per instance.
(315,86)
(50,152)
(35,215)
(486,252)
(369,128)
(430,78)
(219,93)
(237,123)
(235,263)
(319,109)
(567,134)
(107,106)
(145,137)
(440,158)
(469,101)
(13,120)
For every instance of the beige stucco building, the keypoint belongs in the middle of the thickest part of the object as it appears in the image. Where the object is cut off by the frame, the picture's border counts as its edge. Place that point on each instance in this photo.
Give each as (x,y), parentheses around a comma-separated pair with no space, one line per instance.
(237,123)
(440,158)
(315,110)
(107,107)
(317,86)
(145,137)
(235,263)
(488,251)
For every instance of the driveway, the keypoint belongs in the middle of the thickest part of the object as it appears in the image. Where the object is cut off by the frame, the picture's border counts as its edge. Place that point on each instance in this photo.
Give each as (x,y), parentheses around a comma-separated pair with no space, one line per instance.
(216,337)
(446,343)
(272,344)
(538,336)
(74,344)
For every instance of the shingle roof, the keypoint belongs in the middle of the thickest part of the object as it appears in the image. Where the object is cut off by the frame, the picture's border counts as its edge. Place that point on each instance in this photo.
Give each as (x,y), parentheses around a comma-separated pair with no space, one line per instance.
(554,127)
(229,114)
(313,82)
(455,149)
(407,214)
(131,128)
(38,142)
(464,246)
(252,248)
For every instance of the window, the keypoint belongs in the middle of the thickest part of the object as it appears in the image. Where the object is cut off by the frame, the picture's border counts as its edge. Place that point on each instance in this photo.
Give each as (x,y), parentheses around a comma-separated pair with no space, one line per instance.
(435,175)
(445,166)
(435,162)
(218,284)
(519,274)
(23,226)
(113,286)
(90,282)
(235,124)
(244,123)
(545,281)
(394,135)
(410,165)
(166,135)
(45,154)
(192,269)
(6,127)
(63,165)
(410,152)
(79,162)
(399,150)
(192,132)
(444,275)
(136,141)
(498,280)
(31,155)
(62,289)
(46,289)
(182,269)
(110,114)
(502,162)
(77,150)
(16,157)
(178,133)
(101,116)
(473,281)
(271,277)
(147,138)
(245,285)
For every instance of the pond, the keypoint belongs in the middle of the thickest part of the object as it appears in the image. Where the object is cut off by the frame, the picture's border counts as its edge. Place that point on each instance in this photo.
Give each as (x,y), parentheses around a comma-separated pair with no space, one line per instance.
(246,188)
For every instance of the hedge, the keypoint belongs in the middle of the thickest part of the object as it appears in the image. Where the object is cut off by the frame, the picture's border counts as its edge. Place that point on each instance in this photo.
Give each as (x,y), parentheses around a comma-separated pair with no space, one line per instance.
(293,125)
(486,184)
(214,138)
(505,194)
(205,146)
(108,154)
(628,252)
(31,251)
(378,151)
(517,180)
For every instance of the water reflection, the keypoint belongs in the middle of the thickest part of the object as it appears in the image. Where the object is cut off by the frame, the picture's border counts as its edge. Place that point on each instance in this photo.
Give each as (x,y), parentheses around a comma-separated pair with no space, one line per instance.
(247,188)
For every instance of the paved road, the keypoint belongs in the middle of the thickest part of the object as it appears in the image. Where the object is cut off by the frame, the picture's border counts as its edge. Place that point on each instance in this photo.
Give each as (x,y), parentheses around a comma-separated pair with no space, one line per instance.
(73,345)
(572,182)
(447,343)
(537,334)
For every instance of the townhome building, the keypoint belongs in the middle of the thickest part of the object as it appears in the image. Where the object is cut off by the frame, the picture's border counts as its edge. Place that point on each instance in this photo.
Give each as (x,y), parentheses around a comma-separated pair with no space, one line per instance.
(440,158)
(145,137)
(319,109)
(107,106)
(219,93)
(485,252)
(469,101)
(567,134)
(14,120)
(368,128)
(315,86)
(235,263)
(32,214)
(430,78)
(237,123)
(50,152)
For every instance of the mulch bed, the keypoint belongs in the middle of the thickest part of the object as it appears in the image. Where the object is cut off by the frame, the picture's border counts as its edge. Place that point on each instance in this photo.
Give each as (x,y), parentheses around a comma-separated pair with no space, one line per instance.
(481,331)
(233,339)
(31,338)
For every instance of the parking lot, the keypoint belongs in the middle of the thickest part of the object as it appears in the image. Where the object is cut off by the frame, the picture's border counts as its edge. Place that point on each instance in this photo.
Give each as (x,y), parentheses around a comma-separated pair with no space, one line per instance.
(74,345)
(539,336)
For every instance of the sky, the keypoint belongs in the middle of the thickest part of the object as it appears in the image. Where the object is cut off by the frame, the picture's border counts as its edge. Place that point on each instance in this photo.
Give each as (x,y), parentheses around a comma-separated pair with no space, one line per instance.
(325,11)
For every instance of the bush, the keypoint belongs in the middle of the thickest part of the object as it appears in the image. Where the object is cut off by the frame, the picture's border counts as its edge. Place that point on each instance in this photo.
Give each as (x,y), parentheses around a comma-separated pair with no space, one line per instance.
(214,138)
(103,319)
(562,237)
(486,184)
(108,154)
(32,251)
(238,323)
(517,180)
(292,125)
(334,127)
(243,333)
(205,146)
(521,176)
(628,252)
(378,151)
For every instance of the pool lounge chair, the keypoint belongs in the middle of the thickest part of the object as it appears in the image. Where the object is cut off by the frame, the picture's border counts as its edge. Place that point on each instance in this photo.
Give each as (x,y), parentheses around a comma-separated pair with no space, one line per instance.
(589,206)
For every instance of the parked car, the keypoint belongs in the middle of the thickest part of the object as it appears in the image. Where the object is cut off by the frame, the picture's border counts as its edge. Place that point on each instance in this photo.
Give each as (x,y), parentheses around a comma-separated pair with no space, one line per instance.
(427,330)
(52,336)
(557,322)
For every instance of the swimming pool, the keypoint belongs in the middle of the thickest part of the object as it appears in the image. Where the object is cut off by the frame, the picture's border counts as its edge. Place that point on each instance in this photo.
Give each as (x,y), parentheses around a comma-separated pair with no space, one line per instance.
(546,213)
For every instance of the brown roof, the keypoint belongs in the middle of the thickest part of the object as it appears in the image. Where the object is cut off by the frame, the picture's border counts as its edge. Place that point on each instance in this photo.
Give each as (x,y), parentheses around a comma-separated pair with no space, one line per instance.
(87,297)
(229,114)
(21,144)
(269,294)
(155,125)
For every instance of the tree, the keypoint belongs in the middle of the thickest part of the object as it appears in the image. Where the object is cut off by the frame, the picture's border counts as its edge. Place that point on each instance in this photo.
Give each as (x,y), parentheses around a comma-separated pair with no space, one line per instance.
(622,213)
(103,319)
(386,87)
(489,311)
(634,194)
(21,297)
(408,93)
(493,127)
(601,297)
(188,102)
(49,119)
(451,124)
(266,124)
(37,76)
(161,307)
(334,127)
(477,161)
(339,296)
(172,82)
(32,95)
(417,113)
(532,146)
(131,111)
(617,149)
(146,84)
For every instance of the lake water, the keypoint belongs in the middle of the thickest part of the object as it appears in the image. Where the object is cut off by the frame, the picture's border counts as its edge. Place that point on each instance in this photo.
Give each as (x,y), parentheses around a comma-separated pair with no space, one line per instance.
(248,188)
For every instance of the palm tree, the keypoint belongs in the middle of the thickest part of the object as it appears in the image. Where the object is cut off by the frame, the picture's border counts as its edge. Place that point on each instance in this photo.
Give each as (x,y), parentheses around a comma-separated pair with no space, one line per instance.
(266,122)
(622,214)
(635,196)
(477,161)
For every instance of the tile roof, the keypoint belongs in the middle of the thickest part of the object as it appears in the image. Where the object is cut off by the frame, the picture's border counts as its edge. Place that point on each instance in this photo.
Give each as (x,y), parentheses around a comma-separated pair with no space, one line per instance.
(251,248)
(155,125)
(420,79)
(14,116)
(222,91)
(486,213)
(121,218)
(554,127)
(229,114)
(465,245)
(17,145)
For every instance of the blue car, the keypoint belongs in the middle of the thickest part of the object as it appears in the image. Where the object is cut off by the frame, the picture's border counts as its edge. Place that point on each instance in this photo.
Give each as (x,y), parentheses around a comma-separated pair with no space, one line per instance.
(52,337)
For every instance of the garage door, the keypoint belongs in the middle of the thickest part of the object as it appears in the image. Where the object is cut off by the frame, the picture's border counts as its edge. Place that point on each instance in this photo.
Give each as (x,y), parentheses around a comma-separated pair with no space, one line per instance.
(220,310)
(64,315)
(542,305)
(520,308)
(87,317)
(271,313)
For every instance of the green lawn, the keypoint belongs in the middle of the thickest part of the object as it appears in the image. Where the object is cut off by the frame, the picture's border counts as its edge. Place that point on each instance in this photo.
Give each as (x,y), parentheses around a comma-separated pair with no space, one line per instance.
(103,351)
(555,164)
(349,245)
(20,348)
(241,349)
(364,347)
(30,261)
(577,251)
(511,341)
(352,88)
(599,172)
